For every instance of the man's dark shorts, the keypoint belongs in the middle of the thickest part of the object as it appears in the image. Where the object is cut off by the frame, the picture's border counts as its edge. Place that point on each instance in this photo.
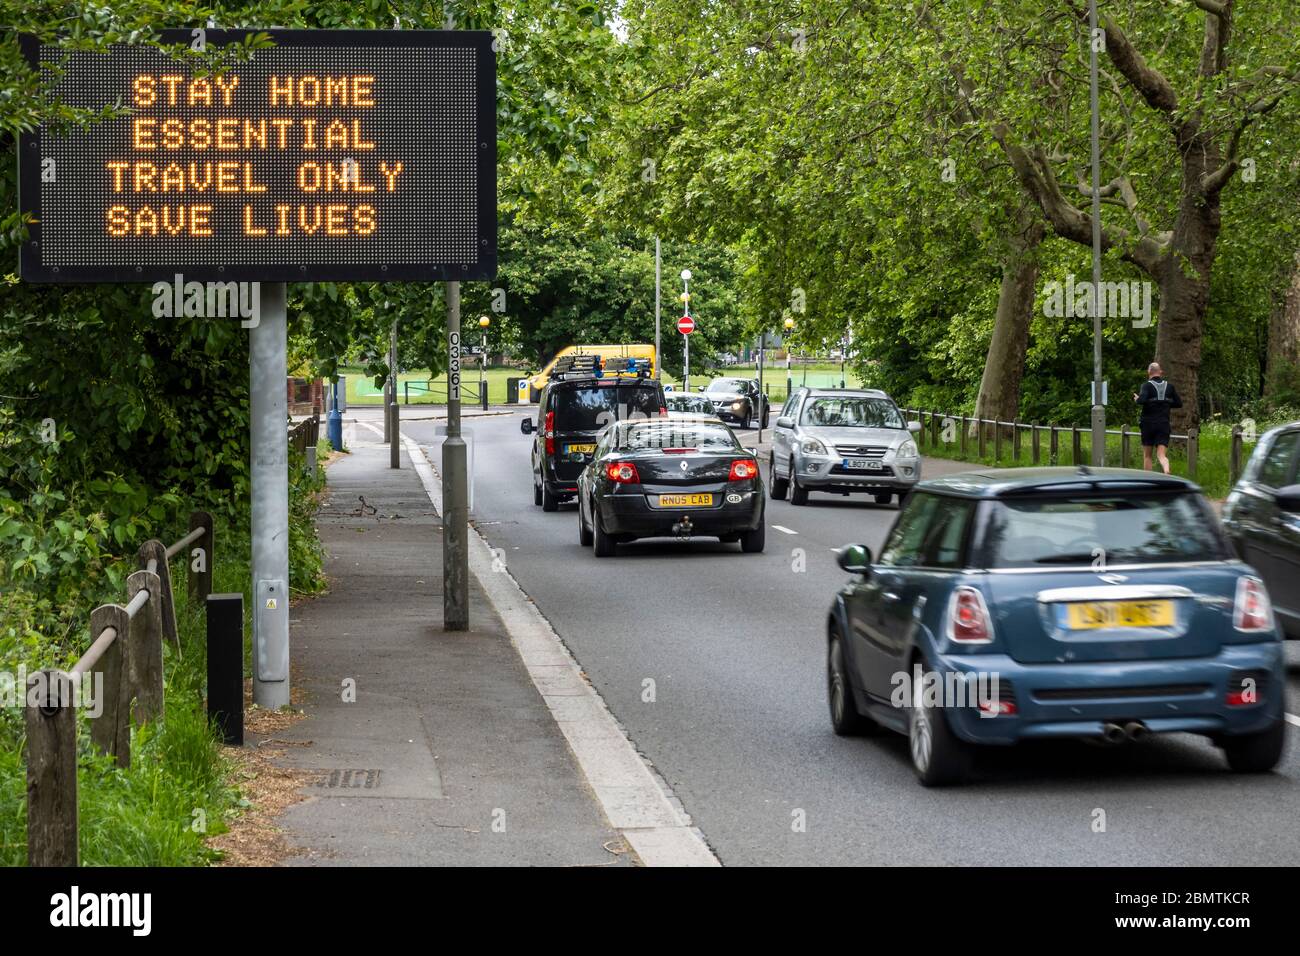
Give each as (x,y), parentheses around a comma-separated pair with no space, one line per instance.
(1157,433)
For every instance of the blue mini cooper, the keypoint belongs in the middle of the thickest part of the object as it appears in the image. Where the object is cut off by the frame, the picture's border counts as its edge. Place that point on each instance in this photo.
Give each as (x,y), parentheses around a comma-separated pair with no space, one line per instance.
(1009,605)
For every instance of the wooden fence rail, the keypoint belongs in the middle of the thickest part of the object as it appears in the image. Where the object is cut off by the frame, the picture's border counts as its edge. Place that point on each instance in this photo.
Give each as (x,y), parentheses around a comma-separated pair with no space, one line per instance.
(945,423)
(123,668)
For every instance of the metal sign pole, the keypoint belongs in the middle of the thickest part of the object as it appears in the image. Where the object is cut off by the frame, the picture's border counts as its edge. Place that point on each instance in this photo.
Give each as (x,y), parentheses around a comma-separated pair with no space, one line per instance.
(455,505)
(658,355)
(394,428)
(268,413)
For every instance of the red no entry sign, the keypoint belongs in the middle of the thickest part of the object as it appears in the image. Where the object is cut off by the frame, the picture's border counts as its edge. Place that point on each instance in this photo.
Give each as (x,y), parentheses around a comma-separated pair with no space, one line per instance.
(686,325)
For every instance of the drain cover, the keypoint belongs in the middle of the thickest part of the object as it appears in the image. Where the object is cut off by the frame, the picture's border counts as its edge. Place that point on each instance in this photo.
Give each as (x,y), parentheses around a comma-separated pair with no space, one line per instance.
(347,779)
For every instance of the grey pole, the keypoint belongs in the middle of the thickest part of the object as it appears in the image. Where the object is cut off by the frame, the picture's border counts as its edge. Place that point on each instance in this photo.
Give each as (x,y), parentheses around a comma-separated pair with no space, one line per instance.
(762,350)
(658,355)
(1098,409)
(686,368)
(268,412)
(455,503)
(395,428)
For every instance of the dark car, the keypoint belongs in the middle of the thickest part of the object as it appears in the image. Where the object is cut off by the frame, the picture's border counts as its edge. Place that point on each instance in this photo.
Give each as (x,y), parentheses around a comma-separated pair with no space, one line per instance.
(683,405)
(1262,518)
(1052,602)
(574,407)
(737,400)
(670,477)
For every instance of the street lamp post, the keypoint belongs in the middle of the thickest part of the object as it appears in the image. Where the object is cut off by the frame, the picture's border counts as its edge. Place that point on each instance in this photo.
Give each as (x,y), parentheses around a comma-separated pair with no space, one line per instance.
(789,380)
(1098,386)
(483,323)
(686,304)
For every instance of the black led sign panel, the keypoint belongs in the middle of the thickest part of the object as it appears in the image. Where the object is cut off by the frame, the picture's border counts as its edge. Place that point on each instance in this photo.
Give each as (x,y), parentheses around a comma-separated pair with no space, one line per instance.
(335,155)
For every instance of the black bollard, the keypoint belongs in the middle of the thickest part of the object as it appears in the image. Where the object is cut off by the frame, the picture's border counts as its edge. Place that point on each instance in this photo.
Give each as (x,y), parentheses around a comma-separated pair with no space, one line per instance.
(226,665)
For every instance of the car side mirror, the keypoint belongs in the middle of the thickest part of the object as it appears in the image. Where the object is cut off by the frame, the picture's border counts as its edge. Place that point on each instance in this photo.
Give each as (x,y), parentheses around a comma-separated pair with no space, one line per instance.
(785,421)
(526,426)
(753,452)
(855,558)
(1288,498)
(914,427)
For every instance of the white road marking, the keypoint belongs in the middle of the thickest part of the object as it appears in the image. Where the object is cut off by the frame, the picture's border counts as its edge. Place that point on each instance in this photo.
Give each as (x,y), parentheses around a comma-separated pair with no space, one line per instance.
(1292,719)
(784,529)
(632,796)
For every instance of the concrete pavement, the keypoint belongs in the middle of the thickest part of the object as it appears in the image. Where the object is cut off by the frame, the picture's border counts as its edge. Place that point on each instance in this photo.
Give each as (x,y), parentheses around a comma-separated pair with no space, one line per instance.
(427,748)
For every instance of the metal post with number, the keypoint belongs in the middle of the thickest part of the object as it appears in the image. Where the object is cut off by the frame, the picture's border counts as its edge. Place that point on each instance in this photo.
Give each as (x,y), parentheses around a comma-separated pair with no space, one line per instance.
(455,493)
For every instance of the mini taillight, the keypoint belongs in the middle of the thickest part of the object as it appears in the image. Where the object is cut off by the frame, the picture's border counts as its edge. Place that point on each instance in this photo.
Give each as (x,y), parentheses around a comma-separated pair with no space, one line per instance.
(624,472)
(743,468)
(1252,610)
(968,618)
(663,412)
(549,433)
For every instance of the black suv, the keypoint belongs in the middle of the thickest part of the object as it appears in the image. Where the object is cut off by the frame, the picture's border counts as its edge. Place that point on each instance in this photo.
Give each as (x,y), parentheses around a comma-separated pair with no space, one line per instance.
(573,409)
(1262,518)
(738,400)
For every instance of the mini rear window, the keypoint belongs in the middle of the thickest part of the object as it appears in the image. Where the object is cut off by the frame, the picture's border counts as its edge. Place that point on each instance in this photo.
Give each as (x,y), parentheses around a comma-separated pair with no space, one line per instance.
(1099,530)
(591,408)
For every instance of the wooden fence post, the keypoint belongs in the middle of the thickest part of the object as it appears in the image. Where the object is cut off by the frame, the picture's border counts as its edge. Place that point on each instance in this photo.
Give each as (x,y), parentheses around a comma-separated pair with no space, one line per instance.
(1035,442)
(51,770)
(1053,445)
(935,424)
(1076,449)
(979,424)
(110,732)
(157,551)
(1194,450)
(963,436)
(200,581)
(1015,440)
(997,442)
(1234,456)
(146,654)
(1123,445)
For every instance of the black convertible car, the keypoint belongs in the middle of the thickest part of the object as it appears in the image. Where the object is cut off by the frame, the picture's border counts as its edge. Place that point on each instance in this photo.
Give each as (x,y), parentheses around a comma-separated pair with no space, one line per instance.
(660,478)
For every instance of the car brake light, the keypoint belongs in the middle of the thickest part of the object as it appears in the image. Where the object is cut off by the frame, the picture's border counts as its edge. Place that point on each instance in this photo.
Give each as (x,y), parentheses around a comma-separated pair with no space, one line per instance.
(663,411)
(998,708)
(968,618)
(677,451)
(743,468)
(623,472)
(549,432)
(1252,610)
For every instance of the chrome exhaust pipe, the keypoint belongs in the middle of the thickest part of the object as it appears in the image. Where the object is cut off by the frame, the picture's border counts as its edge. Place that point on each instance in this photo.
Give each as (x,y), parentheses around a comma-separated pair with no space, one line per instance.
(1135,730)
(1113,733)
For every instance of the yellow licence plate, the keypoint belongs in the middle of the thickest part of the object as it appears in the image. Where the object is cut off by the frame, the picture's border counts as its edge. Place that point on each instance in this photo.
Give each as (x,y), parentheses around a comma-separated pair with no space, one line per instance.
(685,501)
(585,449)
(1095,614)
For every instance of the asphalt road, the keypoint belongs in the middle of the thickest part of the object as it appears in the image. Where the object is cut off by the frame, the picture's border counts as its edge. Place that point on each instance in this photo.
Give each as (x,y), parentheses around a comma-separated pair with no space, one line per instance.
(737,722)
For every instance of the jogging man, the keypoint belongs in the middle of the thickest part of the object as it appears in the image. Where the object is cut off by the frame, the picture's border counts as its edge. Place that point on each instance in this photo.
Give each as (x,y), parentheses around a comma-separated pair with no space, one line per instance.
(1156,398)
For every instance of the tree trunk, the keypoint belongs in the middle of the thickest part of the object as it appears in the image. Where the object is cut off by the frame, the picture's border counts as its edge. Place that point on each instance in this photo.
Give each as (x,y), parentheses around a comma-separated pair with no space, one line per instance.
(1284,330)
(1184,279)
(1004,367)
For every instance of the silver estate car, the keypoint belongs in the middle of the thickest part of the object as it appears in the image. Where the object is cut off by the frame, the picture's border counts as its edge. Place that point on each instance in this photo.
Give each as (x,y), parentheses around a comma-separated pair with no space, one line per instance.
(843,441)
